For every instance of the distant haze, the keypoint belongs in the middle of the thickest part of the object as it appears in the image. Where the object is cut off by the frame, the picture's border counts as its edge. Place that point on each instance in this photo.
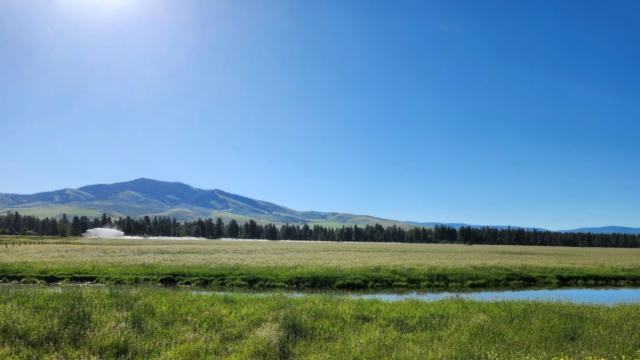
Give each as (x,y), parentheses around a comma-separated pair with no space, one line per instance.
(103,233)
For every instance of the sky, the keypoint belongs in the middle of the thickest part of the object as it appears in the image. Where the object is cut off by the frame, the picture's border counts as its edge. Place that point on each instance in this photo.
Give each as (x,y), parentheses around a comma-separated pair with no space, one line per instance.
(484,112)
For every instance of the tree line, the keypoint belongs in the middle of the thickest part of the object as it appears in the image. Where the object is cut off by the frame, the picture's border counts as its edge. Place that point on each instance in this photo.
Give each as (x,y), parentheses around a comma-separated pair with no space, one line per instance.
(15,224)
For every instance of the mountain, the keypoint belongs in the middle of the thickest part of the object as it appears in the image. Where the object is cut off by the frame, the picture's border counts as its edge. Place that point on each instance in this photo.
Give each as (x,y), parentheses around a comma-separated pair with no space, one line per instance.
(608,230)
(459,225)
(595,230)
(174,199)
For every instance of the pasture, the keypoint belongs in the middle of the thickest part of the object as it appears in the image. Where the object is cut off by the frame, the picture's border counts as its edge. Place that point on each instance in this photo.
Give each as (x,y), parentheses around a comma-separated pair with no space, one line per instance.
(313,265)
(146,319)
(214,253)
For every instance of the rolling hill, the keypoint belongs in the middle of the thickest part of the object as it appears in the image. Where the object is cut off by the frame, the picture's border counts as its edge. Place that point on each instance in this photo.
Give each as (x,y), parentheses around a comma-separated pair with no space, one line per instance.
(143,196)
(174,199)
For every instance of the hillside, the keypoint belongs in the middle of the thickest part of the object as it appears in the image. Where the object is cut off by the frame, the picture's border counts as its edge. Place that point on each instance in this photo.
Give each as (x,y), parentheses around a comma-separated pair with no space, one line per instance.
(143,196)
(174,199)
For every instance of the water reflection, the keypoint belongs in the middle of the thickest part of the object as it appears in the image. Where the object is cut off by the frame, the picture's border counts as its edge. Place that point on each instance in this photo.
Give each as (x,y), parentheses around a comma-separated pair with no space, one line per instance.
(578,296)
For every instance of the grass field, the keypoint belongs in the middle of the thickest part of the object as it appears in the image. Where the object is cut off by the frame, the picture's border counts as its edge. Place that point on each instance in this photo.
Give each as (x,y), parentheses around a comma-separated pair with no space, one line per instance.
(143,323)
(309,265)
(331,254)
(149,321)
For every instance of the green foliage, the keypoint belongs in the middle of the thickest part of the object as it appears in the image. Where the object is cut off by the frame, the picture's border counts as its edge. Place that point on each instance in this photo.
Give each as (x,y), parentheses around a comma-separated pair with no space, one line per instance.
(143,323)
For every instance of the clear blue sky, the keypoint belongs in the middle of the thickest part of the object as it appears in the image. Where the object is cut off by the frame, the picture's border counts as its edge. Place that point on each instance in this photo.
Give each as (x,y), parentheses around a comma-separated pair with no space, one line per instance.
(485,112)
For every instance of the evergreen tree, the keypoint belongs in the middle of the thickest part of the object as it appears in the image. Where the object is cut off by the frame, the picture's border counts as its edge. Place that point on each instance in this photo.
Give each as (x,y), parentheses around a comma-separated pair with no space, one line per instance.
(76,227)
(219,229)
(233,229)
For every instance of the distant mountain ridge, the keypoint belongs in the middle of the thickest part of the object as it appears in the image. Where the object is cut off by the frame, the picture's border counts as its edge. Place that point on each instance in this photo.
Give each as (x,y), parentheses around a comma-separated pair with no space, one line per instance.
(152,197)
(144,196)
(459,225)
(596,230)
(608,230)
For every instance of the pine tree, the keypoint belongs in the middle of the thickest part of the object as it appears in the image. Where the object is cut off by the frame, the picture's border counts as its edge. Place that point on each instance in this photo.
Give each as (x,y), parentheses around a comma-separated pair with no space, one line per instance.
(233,229)
(76,226)
(219,229)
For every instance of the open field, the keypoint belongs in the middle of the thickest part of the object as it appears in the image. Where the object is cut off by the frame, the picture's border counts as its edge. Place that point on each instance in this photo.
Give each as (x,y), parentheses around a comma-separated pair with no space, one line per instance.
(311,265)
(142,323)
(213,253)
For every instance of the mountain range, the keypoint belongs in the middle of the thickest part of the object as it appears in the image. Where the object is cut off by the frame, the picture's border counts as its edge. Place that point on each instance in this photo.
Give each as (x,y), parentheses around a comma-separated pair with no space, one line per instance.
(174,199)
(599,230)
(608,230)
(459,225)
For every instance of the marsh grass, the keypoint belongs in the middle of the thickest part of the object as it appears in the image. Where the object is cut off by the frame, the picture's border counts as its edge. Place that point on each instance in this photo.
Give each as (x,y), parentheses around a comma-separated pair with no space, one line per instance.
(144,323)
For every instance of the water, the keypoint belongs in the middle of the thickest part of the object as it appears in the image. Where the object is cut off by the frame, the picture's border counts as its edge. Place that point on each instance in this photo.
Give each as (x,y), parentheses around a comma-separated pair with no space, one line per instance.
(577,296)
(599,296)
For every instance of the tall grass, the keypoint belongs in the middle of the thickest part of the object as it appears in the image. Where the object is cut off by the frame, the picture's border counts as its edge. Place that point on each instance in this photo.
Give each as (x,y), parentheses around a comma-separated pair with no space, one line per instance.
(320,277)
(143,323)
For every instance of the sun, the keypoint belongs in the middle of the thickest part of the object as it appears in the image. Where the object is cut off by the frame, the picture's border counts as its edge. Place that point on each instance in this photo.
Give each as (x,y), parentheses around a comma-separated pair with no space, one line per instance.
(108,4)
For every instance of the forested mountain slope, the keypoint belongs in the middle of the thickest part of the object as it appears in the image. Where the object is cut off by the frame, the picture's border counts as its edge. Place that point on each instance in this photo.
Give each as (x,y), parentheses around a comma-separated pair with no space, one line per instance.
(151,197)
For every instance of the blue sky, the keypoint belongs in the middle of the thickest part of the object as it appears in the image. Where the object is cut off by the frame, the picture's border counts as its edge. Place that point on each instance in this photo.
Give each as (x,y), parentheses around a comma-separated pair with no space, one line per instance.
(485,112)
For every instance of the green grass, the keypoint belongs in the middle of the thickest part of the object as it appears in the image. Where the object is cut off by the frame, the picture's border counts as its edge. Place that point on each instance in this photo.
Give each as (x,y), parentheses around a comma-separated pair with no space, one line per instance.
(215,253)
(56,211)
(310,278)
(147,323)
(312,265)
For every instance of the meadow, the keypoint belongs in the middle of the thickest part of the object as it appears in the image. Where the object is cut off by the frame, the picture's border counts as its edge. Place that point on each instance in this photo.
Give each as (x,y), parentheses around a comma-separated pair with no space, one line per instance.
(312,265)
(140,313)
(306,253)
(150,322)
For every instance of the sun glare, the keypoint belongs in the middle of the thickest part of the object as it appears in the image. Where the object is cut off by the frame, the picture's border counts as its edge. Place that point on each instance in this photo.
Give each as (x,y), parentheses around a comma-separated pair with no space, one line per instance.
(107,4)
(94,10)
(95,4)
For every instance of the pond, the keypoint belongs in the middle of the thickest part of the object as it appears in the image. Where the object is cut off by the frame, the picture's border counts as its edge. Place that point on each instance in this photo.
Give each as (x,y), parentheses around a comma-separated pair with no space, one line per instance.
(595,296)
(605,296)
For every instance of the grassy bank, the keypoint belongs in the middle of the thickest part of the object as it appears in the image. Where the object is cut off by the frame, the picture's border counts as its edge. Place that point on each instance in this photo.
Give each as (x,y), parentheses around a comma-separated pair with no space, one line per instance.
(320,277)
(142,323)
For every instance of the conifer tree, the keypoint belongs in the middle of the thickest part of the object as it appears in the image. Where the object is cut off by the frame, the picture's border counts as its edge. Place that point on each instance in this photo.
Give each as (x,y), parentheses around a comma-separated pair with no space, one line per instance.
(219,230)
(233,229)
